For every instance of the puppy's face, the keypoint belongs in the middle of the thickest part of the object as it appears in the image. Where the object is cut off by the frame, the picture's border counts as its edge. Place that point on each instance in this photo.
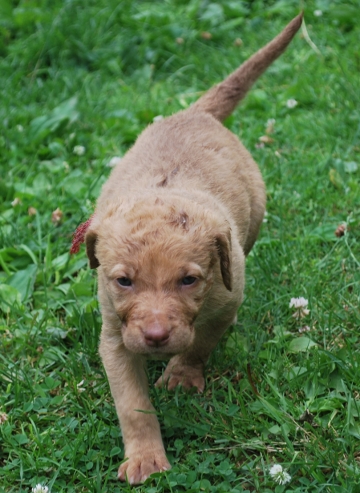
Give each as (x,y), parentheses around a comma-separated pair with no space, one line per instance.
(158,299)
(157,274)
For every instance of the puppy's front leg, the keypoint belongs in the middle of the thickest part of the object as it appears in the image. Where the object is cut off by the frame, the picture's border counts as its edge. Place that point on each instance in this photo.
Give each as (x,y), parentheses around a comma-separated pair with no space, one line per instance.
(187,369)
(144,449)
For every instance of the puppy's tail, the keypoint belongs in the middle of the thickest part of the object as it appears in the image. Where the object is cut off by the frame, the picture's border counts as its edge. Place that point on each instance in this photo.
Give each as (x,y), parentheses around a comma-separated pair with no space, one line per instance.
(221,100)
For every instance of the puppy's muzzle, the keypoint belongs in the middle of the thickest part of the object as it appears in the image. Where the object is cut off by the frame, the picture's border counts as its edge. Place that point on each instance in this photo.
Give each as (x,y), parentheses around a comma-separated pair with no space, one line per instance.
(156,335)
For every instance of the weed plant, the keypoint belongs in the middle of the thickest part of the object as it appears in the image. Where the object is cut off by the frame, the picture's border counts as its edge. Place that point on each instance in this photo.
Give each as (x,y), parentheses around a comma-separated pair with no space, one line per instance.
(78,82)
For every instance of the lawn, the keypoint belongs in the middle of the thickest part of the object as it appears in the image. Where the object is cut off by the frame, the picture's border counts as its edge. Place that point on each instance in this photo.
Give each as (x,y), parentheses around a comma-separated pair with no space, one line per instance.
(78,82)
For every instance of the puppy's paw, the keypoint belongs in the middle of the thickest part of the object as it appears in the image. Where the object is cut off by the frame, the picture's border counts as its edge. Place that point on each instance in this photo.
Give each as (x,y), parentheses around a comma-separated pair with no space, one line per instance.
(140,465)
(189,377)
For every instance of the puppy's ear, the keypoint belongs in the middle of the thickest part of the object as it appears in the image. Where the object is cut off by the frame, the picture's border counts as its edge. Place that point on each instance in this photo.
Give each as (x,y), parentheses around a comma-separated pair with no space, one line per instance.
(223,246)
(90,242)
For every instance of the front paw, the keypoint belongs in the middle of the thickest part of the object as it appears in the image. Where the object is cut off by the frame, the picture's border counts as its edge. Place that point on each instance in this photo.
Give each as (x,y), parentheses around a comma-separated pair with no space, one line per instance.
(140,465)
(188,377)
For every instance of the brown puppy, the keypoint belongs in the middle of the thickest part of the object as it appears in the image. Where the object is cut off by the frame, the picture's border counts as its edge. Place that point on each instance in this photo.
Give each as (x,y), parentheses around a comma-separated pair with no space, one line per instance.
(169,236)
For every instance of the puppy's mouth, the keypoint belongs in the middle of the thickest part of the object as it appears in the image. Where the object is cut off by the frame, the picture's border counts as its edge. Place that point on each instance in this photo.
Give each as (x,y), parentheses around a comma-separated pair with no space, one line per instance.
(159,355)
(157,341)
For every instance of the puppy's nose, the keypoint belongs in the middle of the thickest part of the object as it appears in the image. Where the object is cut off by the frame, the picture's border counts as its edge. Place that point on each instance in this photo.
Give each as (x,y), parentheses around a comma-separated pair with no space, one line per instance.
(156,335)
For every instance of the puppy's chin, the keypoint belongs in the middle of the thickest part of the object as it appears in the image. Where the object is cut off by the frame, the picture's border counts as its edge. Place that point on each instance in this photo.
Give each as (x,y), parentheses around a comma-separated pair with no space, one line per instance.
(178,343)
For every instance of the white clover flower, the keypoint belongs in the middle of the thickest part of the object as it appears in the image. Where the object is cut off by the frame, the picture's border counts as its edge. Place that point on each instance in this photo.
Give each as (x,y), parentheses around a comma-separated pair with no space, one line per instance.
(79,150)
(19,128)
(16,202)
(275,469)
(79,386)
(279,475)
(291,103)
(39,488)
(113,162)
(158,118)
(318,13)
(298,302)
(270,126)
(300,305)
(3,418)
(305,328)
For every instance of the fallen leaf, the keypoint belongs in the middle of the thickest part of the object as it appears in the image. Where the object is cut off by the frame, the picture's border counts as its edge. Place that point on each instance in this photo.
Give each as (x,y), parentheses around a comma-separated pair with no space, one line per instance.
(335,178)
(266,139)
(56,216)
(206,35)
(340,230)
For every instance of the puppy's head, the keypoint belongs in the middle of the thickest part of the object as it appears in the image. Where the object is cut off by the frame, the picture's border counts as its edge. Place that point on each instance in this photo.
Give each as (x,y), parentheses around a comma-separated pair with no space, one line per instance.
(158,264)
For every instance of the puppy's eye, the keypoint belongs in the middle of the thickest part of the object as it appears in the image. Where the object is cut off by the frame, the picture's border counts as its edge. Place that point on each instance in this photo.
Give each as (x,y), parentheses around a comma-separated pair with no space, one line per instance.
(188,280)
(124,281)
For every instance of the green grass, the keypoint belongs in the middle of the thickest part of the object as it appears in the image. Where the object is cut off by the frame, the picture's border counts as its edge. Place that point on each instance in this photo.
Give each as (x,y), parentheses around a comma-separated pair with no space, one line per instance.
(95,74)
